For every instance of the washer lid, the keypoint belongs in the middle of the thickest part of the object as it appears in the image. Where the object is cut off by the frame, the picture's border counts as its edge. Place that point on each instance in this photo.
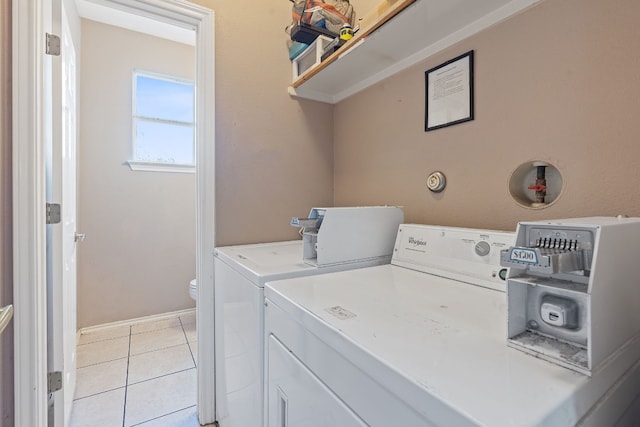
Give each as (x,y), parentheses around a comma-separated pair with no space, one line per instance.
(445,337)
(265,261)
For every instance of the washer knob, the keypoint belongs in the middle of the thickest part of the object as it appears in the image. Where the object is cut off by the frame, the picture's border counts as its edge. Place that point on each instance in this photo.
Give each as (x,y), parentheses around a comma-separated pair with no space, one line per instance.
(483,248)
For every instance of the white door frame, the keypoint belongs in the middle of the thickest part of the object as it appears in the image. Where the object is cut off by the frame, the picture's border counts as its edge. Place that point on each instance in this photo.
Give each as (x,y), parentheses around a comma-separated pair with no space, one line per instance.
(62,244)
(29,231)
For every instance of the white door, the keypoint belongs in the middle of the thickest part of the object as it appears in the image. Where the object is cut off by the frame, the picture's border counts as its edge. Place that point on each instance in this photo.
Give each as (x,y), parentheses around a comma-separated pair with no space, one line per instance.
(62,237)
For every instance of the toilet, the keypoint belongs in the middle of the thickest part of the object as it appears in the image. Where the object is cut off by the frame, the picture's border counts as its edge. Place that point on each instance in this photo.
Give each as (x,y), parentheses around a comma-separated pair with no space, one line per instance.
(193,289)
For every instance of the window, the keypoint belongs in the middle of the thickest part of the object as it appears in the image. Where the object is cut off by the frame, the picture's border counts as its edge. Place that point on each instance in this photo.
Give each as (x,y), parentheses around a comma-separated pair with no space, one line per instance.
(163,123)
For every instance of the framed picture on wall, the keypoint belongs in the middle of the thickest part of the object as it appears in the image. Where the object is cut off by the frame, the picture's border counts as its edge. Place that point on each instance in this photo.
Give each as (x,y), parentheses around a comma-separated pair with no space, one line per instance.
(449,93)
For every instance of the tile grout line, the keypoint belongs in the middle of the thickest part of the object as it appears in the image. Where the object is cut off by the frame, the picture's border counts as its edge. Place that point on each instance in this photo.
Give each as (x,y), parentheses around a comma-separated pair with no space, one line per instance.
(101,363)
(97,341)
(126,383)
(162,416)
(154,330)
(97,393)
(162,376)
(188,343)
(158,349)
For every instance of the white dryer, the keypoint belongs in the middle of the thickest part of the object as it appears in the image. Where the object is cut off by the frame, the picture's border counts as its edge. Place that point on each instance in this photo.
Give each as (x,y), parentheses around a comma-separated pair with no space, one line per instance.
(240,274)
(422,342)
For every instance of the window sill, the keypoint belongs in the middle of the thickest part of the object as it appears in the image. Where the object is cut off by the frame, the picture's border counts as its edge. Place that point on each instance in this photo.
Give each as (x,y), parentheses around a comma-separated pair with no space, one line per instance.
(160,167)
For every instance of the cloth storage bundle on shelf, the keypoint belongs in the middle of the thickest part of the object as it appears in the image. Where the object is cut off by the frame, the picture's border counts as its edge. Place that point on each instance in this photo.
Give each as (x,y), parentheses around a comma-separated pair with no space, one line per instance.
(312,18)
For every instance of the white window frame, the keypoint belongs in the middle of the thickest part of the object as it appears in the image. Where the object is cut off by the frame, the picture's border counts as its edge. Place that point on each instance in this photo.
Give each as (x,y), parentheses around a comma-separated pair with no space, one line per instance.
(137,165)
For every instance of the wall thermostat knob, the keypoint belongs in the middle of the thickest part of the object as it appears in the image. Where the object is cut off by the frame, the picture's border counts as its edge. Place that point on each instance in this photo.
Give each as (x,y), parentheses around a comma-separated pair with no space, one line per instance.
(436,182)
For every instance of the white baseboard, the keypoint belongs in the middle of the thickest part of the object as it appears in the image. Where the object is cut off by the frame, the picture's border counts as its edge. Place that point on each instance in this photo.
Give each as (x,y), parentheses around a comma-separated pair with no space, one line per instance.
(136,321)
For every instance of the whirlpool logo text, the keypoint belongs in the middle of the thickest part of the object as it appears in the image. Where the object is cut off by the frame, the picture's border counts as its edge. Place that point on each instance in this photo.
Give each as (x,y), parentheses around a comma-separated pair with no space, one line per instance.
(417,242)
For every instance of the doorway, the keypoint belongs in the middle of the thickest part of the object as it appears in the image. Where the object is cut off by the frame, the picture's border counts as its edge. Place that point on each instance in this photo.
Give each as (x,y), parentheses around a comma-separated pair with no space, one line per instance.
(139,255)
(31,127)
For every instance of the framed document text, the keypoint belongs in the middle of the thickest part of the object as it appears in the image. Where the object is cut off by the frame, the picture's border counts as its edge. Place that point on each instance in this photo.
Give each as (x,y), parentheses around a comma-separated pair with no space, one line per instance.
(449,93)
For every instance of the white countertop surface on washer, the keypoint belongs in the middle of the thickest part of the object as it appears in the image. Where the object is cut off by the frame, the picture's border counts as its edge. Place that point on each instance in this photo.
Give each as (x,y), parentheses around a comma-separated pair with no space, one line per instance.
(447,337)
(263,262)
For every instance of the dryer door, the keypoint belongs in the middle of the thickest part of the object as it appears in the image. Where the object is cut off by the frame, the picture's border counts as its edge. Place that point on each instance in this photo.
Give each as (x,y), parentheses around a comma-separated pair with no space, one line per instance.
(296,397)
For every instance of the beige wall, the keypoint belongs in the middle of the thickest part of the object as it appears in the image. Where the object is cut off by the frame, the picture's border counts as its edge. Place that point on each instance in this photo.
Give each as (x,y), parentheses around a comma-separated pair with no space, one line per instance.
(274,154)
(6,259)
(274,160)
(559,82)
(139,255)
(362,7)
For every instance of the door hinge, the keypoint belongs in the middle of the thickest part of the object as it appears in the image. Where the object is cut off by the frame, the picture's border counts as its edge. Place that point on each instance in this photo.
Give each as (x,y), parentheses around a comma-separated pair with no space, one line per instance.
(53,45)
(54,381)
(53,213)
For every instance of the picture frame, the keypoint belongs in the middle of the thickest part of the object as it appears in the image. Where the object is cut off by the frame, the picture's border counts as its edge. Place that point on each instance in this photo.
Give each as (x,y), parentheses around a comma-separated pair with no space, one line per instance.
(449,93)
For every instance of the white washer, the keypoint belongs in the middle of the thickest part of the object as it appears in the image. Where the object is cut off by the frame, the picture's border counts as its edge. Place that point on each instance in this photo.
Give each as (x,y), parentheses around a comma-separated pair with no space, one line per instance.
(240,275)
(422,342)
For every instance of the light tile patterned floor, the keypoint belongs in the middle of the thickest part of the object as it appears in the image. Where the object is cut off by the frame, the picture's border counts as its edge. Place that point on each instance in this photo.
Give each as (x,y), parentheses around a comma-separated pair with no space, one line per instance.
(138,375)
